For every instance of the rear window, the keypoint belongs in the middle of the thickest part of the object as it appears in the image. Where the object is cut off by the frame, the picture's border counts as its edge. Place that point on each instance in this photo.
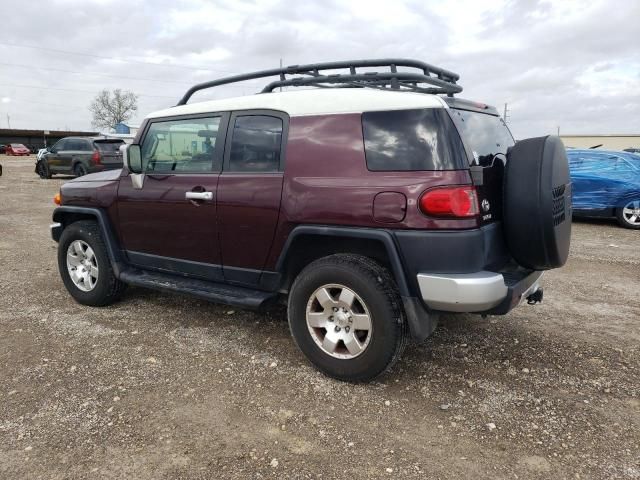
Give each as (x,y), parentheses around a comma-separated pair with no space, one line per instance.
(109,146)
(486,135)
(412,140)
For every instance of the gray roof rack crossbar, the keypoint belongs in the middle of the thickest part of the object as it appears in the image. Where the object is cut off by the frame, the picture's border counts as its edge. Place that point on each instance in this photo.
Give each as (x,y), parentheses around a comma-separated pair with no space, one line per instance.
(440,81)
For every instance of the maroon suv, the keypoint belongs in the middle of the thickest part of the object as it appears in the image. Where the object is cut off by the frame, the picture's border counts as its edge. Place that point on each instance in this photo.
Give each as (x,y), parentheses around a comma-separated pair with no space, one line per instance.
(373,203)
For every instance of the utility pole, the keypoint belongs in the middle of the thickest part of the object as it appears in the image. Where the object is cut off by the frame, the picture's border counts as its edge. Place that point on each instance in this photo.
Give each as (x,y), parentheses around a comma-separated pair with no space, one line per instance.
(558,130)
(9,121)
(506,113)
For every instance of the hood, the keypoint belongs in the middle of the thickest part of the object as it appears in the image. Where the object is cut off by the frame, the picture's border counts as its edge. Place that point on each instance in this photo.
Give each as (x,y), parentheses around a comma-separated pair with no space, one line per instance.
(106,176)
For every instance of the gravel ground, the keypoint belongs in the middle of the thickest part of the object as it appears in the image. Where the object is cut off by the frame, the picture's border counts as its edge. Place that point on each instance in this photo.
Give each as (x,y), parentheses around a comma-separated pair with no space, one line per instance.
(165,386)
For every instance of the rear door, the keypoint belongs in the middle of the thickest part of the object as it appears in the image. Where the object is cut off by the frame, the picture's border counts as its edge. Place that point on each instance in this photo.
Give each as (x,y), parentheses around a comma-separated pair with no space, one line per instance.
(110,154)
(486,139)
(249,192)
(170,224)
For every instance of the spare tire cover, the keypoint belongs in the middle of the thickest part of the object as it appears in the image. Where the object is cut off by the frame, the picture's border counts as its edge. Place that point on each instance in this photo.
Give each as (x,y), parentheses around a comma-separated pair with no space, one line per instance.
(537,203)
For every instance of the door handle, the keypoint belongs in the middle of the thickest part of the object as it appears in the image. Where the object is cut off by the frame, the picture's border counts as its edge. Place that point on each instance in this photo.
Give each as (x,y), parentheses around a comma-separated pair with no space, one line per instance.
(199,195)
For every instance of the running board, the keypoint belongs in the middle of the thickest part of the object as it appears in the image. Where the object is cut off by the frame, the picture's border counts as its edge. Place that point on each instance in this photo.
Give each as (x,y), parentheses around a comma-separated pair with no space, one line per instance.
(213,292)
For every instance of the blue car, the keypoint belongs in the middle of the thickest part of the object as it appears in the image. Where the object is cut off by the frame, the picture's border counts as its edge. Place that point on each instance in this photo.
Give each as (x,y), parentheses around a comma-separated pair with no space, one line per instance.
(606,184)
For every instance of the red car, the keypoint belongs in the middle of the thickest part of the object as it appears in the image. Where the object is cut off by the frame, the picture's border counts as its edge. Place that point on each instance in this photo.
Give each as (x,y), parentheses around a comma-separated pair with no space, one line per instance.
(16,149)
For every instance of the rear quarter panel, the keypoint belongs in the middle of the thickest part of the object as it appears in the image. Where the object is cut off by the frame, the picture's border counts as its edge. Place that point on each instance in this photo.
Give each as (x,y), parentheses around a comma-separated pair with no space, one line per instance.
(327,181)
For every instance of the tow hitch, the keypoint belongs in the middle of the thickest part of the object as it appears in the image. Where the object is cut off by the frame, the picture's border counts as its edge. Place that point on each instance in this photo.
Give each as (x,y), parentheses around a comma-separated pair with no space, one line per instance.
(535,297)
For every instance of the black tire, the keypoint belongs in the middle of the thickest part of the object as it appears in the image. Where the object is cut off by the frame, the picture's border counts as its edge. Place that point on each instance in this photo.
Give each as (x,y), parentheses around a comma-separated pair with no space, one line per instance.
(108,289)
(376,287)
(623,220)
(79,170)
(42,168)
(537,203)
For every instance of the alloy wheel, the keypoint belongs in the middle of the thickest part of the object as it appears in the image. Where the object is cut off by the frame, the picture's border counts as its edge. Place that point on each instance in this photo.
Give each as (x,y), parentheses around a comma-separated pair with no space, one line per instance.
(82,265)
(631,213)
(339,321)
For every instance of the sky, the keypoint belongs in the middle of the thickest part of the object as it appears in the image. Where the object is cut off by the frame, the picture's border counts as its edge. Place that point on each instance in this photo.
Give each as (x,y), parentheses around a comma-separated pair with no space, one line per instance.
(568,65)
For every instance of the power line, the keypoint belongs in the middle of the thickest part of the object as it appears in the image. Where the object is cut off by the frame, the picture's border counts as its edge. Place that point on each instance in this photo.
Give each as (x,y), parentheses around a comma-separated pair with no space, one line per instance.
(93,92)
(104,57)
(32,67)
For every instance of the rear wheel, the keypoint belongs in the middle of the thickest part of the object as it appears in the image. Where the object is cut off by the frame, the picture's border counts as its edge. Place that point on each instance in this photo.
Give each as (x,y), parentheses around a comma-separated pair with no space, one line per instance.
(345,315)
(629,215)
(80,170)
(85,267)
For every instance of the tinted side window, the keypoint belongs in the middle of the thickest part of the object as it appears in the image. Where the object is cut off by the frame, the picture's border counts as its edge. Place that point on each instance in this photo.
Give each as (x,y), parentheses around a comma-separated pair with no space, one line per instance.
(408,140)
(60,145)
(77,145)
(255,144)
(181,146)
(487,135)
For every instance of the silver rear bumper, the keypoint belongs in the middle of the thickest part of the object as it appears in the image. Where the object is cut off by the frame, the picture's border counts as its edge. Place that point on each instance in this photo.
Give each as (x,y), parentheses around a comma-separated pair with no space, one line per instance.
(474,292)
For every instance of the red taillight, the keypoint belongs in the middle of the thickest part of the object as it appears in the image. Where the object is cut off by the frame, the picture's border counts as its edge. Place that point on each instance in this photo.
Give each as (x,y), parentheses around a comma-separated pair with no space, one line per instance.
(450,202)
(95,158)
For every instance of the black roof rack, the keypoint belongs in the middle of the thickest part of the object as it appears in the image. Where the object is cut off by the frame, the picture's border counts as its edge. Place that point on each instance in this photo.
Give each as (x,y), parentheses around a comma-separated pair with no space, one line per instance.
(425,79)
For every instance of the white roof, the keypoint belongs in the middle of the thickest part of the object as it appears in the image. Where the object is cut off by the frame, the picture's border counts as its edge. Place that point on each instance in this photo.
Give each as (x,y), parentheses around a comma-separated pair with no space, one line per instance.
(313,102)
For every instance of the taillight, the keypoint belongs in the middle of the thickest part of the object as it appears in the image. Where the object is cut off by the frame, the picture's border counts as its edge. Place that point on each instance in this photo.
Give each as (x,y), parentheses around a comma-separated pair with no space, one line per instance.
(95,158)
(458,202)
(57,199)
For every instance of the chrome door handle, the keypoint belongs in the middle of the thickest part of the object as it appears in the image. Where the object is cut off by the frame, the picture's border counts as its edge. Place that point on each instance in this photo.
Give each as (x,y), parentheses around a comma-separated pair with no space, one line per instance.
(198,195)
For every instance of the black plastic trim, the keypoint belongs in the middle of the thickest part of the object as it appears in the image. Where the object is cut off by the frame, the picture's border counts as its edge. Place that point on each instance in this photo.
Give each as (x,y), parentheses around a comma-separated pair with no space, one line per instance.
(517,284)
(207,290)
(380,235)
(114,252)
(176,266)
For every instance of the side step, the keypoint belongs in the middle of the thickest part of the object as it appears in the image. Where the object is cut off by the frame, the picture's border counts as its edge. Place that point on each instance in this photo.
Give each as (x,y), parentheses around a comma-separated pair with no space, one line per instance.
(214,292)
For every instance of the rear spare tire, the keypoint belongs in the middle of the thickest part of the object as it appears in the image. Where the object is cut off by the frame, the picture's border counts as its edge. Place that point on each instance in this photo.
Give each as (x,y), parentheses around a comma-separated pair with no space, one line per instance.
(537,203)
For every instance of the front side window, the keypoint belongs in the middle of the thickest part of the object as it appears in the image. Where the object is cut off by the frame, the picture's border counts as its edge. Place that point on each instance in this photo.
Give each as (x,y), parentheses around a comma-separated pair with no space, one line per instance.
(60,145)
(255,144)
(411,140)
(181,146)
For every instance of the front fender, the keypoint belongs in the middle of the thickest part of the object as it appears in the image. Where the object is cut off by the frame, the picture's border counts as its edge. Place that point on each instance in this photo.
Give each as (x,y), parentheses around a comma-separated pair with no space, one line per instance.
(65,215)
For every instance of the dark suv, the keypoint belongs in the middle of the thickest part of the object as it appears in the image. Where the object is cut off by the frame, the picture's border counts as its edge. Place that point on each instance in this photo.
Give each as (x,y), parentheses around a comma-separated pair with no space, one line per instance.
(370,205)
(81,155)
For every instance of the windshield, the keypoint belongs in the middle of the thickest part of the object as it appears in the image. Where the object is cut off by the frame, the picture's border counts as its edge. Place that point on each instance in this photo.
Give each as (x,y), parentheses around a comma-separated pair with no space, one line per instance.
(486,135)
(17,145)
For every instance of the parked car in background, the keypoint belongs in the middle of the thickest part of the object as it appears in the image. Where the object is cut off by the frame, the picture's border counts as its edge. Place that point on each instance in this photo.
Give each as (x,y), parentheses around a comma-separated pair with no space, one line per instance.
(80,155)
(16,149)
(606,184)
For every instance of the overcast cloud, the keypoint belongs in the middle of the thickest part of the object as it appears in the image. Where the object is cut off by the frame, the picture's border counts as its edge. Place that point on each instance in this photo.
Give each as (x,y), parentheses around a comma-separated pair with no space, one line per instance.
(575,65)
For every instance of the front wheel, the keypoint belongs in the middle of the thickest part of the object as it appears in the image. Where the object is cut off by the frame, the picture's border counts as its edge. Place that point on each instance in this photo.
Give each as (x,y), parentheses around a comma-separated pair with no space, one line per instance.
(345,315)
(43,170)
(85,267)
(629,215)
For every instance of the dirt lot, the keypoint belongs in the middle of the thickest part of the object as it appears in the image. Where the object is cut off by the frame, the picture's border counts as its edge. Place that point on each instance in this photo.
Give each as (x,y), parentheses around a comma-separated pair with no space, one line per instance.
(164,386)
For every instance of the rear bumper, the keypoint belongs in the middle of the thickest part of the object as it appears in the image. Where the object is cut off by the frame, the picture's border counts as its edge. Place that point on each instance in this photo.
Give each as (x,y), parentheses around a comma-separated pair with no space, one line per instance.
(478,292)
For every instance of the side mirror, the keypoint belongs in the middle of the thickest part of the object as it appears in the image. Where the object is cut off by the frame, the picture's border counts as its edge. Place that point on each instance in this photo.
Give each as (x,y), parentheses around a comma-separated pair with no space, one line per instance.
(132,158)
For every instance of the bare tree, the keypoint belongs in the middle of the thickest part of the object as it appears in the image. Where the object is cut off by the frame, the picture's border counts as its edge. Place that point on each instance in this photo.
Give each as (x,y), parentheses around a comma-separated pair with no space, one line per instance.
(110,108)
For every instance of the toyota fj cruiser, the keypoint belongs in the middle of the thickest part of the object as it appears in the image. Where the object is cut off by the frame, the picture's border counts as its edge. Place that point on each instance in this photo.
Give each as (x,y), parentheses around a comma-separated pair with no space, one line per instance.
(373,203)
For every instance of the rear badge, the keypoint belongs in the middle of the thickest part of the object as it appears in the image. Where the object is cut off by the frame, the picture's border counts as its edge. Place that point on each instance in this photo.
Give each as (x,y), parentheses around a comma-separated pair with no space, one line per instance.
(486,206)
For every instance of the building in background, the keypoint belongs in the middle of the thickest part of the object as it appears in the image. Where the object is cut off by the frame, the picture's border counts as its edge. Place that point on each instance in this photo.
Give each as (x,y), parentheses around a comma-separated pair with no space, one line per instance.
(606,142)
(36,139)
(123,128)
